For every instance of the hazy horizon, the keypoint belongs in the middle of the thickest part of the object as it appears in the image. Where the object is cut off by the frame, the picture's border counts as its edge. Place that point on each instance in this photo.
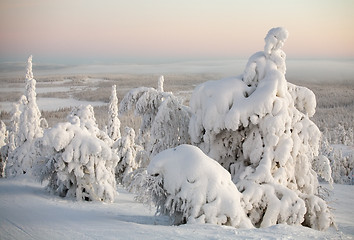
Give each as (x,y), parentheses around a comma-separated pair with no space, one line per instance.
(114,31)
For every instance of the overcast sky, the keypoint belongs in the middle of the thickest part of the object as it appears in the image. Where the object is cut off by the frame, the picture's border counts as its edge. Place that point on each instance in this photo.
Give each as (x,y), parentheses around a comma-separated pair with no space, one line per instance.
(135,30)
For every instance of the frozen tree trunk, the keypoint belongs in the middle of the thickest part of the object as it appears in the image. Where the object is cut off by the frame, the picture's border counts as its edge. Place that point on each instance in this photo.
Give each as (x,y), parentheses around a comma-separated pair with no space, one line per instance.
(21,159)
(113,128)
(257,126)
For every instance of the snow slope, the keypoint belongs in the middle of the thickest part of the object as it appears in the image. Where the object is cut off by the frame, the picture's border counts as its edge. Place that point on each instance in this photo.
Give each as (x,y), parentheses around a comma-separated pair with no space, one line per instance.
(27,211)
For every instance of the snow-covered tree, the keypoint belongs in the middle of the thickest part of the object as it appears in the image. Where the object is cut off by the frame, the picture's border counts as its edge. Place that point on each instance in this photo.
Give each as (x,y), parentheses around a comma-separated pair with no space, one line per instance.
(3,142)
(20,160)
(192,188)
(131,156)
(165,119)
(113,128)
(14,139)
(145,102)
(170,126)
(160,84)
(257,126)
(77,160)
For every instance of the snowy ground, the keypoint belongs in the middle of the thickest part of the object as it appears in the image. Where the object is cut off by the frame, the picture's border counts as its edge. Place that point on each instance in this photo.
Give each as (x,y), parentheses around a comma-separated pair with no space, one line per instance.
(27,211)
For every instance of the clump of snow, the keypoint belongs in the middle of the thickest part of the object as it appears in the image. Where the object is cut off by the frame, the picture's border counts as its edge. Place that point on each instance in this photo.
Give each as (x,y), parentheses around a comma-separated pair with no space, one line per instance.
(77,160)
(257,126)
(196,188)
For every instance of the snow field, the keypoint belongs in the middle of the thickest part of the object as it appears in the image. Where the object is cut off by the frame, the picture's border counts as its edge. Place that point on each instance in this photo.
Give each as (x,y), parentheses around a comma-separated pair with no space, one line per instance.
(28,212)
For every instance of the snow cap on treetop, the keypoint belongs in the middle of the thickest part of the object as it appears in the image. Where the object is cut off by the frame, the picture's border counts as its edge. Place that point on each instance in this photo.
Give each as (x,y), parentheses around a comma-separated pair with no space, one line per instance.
(275,39)
(29,74)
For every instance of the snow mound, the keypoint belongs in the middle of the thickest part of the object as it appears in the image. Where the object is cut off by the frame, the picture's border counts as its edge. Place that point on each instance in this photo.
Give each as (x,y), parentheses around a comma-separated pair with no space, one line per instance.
(197,189)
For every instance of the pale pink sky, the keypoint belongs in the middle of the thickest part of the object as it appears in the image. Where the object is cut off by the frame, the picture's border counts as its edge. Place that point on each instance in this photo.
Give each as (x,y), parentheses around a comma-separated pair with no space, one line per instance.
(184,29)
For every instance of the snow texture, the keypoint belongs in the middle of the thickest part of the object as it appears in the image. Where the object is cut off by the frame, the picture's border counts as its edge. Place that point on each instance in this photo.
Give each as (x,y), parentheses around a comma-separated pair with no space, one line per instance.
(197,188)
(77,160)
(257,126)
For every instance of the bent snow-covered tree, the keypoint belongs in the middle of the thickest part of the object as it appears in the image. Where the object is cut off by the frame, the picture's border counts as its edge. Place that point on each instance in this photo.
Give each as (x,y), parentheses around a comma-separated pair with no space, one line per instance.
(257,126)
(20,160)
(193,188)
(77,160)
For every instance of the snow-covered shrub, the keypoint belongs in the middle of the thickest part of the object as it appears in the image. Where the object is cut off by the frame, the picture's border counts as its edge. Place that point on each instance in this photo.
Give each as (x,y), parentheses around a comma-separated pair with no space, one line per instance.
(193,188)
(257,126)
(20,160)
(113,127)
(131,156)
(77,160)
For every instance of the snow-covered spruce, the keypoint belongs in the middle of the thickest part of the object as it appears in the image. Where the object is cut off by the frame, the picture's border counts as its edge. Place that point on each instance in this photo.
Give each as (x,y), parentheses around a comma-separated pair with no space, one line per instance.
(170,126)
(113,127)
(131,156)
(194,188)
(165,120)
(257,126)
(20,160)
(77,160)
(3,142)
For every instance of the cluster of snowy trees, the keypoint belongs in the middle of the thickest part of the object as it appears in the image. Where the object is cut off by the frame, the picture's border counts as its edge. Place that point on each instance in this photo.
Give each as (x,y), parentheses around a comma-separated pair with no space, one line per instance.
(244,153)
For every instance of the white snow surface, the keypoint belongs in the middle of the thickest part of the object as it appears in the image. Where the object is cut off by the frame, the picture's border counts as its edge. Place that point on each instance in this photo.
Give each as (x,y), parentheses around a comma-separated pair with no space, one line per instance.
(29,212)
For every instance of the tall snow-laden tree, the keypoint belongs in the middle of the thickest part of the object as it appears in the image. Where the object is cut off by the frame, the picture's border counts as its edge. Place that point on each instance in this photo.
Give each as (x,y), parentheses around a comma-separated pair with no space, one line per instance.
(257,126)
(20,160)
(77,160)
(113,128)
